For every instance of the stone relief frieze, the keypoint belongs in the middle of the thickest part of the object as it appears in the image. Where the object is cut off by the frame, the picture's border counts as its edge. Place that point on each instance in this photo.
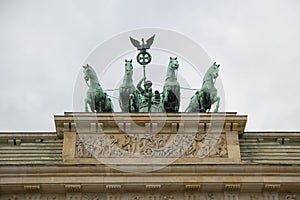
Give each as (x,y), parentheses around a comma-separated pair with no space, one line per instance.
(93,196)
(290,197)
(160,195)
(155,146)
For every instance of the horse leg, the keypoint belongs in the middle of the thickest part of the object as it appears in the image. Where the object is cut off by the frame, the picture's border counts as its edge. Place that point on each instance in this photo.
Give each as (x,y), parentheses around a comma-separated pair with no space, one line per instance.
(131,104)
(100,108)
(162,101)
(92,103)
(108,106)
(218,103)
(177,105)
(202,105)
(86,105)
(101,103)
(165,99)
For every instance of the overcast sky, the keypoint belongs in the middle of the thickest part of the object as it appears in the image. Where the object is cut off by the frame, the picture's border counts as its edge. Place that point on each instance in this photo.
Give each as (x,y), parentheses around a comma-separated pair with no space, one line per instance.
(43,45)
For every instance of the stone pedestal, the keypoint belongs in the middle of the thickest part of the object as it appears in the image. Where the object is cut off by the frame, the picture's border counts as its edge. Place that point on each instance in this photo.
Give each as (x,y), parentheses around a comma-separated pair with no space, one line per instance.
(151,138)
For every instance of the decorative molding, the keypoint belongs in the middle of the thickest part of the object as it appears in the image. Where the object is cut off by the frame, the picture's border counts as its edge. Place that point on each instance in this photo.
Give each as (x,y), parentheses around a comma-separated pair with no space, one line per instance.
(113,187)
(231,191)
(154,187)
(232,187)
(73,188)
(193,187)
(271,187)
(31,188)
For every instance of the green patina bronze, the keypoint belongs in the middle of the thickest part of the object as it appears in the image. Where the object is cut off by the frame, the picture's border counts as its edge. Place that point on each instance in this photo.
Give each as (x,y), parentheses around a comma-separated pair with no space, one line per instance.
(127,97)
(143,57)
(170,101)
(142,98)
(148,101)
(208,94)
(96,98)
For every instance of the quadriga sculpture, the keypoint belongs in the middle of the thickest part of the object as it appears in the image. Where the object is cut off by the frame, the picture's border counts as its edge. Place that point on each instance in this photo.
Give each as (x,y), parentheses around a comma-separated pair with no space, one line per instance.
(171,90)
(96,99)
(208,94)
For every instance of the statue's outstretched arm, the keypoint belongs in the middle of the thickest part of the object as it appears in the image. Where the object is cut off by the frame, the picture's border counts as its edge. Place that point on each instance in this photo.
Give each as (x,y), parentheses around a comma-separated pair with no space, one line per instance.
(140,83)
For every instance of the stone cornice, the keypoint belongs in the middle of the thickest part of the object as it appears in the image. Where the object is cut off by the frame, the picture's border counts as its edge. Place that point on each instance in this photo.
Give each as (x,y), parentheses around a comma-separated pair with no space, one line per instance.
(67,122)
(200,169)
(80,178)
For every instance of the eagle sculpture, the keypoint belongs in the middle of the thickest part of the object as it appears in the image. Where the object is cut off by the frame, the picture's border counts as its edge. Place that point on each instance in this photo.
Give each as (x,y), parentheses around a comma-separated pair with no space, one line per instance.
(142,46)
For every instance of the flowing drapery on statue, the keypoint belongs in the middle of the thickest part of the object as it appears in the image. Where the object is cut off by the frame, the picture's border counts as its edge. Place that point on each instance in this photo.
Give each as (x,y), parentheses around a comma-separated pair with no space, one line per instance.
(208,94)
(96,98)
(128,99)
(171,91)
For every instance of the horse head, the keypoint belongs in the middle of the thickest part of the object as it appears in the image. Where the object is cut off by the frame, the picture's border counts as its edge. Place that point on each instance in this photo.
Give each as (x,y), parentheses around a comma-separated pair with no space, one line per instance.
(212,72)
(173,64)
(90,74)
(87,72)
(128,67)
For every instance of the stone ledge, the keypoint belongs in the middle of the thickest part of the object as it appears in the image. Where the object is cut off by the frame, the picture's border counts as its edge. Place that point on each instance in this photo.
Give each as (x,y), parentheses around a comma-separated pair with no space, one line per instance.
(86,121)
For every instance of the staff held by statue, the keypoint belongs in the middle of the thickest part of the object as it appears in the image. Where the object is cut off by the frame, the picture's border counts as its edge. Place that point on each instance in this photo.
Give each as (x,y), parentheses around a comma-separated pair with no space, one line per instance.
(143,57)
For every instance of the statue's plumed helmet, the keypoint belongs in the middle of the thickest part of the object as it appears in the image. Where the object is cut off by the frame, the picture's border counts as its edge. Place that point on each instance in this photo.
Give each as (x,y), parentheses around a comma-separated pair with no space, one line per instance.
(148,82)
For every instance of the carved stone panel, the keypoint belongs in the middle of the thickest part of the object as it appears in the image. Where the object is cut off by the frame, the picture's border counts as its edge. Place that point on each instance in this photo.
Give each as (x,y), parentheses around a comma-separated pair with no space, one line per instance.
(93,196)
(159,195)
(155,146)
